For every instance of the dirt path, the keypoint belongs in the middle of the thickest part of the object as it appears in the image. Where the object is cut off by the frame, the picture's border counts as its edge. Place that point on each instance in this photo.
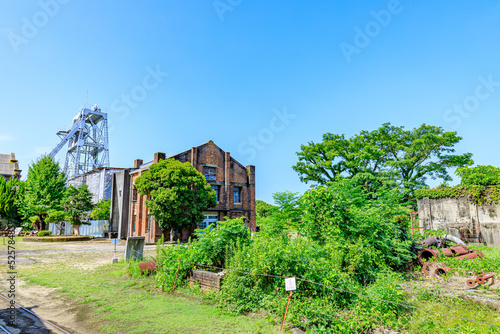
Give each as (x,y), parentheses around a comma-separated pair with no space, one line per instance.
(46,302)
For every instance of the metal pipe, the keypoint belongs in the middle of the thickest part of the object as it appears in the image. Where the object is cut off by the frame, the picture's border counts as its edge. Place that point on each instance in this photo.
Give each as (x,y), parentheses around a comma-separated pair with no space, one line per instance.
(469,256)
(442,271)
(428,254)
(482,279)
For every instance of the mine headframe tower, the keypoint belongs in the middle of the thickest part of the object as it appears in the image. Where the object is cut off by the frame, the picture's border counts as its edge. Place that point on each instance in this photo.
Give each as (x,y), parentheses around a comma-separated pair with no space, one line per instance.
(87,140)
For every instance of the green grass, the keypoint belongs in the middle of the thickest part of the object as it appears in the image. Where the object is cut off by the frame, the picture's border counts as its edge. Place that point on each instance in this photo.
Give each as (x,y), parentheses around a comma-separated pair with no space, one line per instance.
(20,244)
(431,323)
(123,304)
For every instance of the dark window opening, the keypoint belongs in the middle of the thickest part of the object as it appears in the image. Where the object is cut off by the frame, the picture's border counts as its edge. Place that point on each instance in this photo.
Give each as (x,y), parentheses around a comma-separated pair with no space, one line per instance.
(210,173)
(237,194)
(216,188)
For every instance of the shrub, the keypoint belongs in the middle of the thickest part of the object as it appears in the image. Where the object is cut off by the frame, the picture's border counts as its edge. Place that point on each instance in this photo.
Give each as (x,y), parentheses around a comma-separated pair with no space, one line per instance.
(212,246)
(44,233)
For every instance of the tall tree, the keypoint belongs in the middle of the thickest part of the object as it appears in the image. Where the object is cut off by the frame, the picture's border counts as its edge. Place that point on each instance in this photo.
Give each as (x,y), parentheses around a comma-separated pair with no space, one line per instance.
(11,193)
(45,187)
(78,205)
(389,155)
(178,194)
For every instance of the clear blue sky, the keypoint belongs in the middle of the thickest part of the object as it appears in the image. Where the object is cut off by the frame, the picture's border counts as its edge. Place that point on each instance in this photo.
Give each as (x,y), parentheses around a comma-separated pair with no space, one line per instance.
(335,66)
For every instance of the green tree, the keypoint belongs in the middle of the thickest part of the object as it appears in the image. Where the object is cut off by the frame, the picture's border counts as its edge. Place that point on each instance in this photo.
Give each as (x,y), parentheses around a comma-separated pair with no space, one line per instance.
(102,209)
(263,209)
(40,213)
(57,217)
(479,175)
(11,194)
(44,190)
(289,209)
(78,204)
(388,156)
(178,194)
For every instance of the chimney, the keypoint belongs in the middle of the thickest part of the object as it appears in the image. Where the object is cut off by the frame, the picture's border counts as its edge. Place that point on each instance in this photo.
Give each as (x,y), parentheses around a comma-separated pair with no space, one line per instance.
(251,174)
(159,156)
(137,163)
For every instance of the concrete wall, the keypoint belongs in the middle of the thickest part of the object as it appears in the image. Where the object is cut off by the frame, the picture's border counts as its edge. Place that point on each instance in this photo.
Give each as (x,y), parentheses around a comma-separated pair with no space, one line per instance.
(450,214)
(95,229)
(120,199)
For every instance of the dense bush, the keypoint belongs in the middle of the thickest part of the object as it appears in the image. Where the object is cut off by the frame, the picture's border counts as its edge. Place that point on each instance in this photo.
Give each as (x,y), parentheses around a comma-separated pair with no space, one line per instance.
(313,306)
(44,233)
(211,248)
(369,229)
(350,240)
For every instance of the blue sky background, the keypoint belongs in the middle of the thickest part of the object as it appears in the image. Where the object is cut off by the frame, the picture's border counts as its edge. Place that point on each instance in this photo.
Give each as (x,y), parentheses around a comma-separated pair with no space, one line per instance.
(232,64)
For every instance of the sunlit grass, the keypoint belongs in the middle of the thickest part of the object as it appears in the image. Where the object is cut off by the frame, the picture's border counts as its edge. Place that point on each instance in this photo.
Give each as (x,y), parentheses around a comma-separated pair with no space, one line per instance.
(120,303)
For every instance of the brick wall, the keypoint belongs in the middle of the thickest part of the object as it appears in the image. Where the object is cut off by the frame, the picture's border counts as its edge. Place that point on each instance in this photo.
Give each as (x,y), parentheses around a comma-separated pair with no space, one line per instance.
(206,280)
(229,174)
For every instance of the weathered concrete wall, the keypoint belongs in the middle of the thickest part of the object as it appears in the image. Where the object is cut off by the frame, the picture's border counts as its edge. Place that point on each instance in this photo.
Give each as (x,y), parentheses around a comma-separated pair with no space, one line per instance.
(134,248)
(120,200)
(450,214)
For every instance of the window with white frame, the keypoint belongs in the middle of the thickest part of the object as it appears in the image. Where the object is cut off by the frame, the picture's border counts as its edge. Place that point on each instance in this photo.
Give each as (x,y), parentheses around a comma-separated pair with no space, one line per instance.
(209,219)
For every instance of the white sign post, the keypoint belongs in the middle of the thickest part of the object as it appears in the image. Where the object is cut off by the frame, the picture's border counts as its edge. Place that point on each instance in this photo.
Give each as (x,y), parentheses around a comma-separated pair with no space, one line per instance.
(290,285)
(115,242)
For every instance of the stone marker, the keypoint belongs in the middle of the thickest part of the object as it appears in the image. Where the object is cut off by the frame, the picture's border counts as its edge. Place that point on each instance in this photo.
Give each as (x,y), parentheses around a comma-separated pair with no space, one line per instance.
(134,248)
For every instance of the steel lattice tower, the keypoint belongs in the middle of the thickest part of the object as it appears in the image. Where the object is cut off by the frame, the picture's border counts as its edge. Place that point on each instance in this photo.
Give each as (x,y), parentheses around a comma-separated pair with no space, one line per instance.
(87,140)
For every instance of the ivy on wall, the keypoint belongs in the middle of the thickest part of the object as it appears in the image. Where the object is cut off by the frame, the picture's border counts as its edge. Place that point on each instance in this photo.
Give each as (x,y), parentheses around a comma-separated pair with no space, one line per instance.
(481,184)
(478,194)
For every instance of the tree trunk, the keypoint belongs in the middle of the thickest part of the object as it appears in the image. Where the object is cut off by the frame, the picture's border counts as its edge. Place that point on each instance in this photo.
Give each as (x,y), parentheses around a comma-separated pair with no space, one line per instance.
(172,234)
(76,230)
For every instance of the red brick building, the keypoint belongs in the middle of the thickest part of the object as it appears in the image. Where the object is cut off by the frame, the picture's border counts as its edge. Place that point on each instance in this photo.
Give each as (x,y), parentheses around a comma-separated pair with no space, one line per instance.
(233,183)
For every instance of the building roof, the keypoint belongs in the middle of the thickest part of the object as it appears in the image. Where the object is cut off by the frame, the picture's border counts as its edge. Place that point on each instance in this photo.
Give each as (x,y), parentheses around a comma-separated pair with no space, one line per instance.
(9,164)
(146,165)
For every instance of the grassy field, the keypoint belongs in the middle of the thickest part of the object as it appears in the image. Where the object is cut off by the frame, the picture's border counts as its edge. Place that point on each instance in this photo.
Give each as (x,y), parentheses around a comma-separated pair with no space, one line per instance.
(123,304)
(118,303)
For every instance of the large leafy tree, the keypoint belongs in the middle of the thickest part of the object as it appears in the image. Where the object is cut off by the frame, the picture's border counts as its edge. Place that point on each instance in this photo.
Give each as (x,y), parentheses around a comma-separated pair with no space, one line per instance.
(44,190)
(178,193)
(388,156)
(11,193)
(78,205)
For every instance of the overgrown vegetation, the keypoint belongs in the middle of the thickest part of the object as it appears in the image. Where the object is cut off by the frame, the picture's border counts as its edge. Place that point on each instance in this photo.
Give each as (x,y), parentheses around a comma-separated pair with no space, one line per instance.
(480,183)
(346,239)
(355,242)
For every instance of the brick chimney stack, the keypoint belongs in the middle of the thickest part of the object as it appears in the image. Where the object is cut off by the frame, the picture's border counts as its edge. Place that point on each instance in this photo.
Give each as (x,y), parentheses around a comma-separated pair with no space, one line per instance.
(159,156)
